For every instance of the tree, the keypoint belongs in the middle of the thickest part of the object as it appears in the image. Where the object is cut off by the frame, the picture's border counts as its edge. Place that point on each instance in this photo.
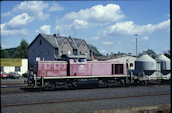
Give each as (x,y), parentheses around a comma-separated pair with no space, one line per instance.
(4,54)
(167,53)
(22,50)
(95,50)
(11,52)
(149,52)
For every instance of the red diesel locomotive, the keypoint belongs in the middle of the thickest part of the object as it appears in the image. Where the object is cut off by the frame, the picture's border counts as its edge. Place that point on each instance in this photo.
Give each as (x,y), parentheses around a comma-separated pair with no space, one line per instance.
(74,70)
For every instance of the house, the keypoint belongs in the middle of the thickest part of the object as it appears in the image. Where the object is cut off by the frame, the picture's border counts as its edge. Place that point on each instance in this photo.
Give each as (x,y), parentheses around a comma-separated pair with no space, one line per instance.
(14,65)
(128,59)
(52,47)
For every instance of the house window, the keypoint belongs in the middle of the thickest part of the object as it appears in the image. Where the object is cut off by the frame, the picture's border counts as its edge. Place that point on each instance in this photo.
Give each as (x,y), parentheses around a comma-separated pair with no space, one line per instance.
(62,52)
(65,42)
(56,51)
(75,51)
(131,64)
(2,69)
(17,68)
(81,60)
(40,42)
(68,52)
(83,44)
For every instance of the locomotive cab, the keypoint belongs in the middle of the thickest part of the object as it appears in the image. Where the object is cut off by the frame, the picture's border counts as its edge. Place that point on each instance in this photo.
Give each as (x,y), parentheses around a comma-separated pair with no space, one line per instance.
(78,59)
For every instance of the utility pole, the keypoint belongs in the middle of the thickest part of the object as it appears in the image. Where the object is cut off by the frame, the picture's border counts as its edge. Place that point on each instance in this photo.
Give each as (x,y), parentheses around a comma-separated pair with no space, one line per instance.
(136,43)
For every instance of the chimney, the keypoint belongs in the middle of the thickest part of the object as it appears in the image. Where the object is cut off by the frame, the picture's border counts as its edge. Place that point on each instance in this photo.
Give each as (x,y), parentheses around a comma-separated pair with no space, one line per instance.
(54,35)
(69,36)
(107,56)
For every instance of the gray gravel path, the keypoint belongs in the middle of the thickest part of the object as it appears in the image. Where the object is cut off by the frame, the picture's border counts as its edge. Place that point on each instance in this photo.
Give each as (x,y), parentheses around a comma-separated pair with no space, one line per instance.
(81,94)
(90,106)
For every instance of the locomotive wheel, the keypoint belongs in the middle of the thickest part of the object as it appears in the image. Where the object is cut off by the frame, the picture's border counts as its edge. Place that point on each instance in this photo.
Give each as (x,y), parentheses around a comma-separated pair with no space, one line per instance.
(74,84)
(146,82)
(50,85)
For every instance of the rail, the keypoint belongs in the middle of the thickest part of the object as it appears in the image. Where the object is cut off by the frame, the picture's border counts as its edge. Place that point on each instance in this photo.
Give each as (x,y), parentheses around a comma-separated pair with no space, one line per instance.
(81,100)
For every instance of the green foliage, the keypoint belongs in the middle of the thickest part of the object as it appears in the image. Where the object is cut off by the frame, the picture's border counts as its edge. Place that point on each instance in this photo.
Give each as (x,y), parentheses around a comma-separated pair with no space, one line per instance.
(22,50)
(119,53)
(4,54)
(167,53)
(95,50)
(149,52)
(11,52)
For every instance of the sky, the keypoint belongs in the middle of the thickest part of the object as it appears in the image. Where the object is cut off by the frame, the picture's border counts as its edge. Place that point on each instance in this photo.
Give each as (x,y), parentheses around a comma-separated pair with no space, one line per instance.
(109,25)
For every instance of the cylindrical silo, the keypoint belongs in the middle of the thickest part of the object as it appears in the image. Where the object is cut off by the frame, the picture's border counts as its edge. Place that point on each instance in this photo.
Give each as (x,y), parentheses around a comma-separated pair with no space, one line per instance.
(145,65)
(164,64)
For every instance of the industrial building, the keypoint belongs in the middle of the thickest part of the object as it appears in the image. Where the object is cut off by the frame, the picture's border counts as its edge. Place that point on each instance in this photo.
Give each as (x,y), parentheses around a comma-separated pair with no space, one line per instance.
(14,65)
(153,69)
(128,59)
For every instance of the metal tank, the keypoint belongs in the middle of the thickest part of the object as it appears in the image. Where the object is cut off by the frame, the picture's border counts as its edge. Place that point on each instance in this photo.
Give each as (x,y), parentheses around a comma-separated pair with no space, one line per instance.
(145,66)
(164,64)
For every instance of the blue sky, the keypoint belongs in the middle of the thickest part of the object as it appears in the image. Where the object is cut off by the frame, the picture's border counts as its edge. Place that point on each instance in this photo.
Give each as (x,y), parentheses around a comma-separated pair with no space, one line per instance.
(108,25)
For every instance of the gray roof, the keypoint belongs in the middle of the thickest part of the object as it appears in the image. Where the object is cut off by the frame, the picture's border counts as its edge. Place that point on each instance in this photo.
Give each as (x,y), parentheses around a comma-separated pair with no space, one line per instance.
(51,39)
(72,43)
(111,57)
(77,41)
(57,40)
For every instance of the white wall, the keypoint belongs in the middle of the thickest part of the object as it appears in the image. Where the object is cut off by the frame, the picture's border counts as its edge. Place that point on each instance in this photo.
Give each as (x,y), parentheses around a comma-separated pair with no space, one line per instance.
(124,59)
(23,68)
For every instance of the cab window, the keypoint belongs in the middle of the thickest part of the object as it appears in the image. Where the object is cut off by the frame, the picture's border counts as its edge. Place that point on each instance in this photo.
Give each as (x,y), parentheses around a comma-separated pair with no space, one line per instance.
(81,60)
(74,59)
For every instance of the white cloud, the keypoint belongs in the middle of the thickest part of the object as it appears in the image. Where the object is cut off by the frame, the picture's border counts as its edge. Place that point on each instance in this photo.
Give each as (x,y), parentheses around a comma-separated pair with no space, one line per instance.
(95,38)
(15,25)
(44,29)
(96,15)
(12,32)
(58,28)
(24,13)
(77,24)
(107,43)
(145,38)
(55,7)
(119,42)
(103,51)
(19,21)
(129,28)
(35,9)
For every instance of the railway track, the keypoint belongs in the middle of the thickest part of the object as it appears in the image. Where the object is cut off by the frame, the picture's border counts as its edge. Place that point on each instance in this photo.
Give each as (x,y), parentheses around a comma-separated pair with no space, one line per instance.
(18,88)
(81,100)
(13,85)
